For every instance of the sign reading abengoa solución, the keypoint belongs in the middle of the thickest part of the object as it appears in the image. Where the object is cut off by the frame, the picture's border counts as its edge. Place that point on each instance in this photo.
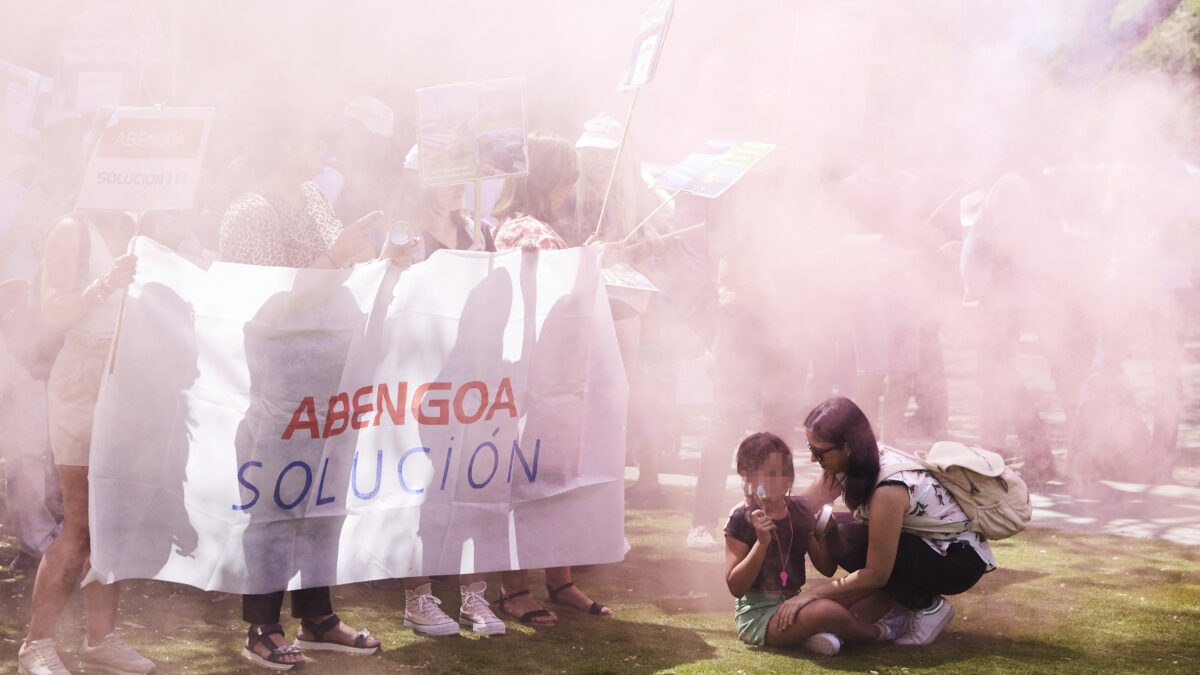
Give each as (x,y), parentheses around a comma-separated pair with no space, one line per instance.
(146,159)
(270,428)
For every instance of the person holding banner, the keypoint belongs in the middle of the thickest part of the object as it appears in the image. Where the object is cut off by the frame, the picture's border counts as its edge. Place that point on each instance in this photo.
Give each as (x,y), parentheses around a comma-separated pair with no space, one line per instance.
(285,221)
(526,209)
(84,265)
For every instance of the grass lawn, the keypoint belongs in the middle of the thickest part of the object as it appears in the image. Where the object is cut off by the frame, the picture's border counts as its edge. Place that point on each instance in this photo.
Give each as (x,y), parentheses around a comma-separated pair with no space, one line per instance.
(1061,602)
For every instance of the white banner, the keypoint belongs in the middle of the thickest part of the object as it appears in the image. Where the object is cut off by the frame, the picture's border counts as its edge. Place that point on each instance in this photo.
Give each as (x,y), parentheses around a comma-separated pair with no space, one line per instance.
(270,428)
(147,159)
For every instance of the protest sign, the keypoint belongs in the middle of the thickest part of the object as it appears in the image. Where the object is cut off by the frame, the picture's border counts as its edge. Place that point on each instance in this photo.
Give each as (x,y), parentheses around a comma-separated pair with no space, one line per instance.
(23,92)
(147,159)
(652,32)
(628,285)
(132,20)
(275,428)
(472,131)
(713,169)
(93,74)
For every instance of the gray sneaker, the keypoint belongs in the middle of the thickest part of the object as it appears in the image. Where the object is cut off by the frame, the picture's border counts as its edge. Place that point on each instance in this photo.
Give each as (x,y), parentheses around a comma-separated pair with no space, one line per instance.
(894,624)
(927,624)
(40,657)
(112,655)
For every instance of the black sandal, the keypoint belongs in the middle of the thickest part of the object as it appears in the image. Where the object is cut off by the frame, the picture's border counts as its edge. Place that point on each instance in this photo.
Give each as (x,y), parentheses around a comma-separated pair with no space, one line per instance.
(319,630)
(596,609)
(528,617)
(274,660)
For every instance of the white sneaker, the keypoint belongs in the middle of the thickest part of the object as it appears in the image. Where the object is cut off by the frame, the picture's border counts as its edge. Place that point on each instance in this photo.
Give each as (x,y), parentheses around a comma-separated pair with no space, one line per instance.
(927,624)
(40,657)
(701,538)
(825,644)
(475,611)
(422,614)
(112,655)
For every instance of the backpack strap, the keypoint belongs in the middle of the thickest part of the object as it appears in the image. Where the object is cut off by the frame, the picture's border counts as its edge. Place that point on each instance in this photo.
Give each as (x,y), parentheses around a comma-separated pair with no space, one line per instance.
(922,526)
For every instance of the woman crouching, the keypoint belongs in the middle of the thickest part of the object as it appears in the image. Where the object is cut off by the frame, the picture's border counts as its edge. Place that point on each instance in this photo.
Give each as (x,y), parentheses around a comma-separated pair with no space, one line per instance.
(765,543)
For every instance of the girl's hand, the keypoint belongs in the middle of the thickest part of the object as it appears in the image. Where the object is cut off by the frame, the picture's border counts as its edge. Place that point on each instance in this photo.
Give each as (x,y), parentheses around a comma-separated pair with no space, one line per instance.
(786,614)
(763,526)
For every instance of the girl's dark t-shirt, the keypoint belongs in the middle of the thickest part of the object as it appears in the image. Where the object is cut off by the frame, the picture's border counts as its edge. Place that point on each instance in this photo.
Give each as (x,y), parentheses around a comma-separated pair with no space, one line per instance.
(793,538)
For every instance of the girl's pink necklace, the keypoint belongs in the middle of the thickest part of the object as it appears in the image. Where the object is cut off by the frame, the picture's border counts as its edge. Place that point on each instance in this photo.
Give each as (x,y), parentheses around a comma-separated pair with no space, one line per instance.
(783,561)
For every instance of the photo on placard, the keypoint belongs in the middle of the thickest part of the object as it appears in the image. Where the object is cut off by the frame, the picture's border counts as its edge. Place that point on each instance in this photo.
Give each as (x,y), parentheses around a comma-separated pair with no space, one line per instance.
(471,131)
(652,32)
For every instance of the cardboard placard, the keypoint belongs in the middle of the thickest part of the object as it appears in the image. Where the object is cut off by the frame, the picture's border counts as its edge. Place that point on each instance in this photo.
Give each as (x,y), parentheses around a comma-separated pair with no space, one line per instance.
(21,93)
(147,159)
(130,20)
(472,131)
(96,73)
(652,32)
(713,169)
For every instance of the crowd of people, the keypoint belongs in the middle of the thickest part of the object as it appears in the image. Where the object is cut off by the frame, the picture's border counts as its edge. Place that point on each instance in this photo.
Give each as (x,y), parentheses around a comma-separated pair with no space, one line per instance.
(804,283)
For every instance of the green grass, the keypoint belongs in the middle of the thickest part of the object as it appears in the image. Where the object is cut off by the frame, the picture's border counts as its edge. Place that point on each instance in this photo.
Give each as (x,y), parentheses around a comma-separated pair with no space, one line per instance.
(1062,602)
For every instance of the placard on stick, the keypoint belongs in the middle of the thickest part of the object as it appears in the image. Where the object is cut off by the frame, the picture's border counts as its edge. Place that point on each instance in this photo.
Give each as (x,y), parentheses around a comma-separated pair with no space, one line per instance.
(472,131)
(652,32)
(714,168)
(147,159)
(22,92)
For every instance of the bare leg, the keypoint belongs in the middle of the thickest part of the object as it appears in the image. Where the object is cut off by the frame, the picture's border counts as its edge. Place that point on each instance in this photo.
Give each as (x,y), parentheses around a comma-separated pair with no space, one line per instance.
(557,577)
(515,582)
(872,607)
(63,564)
(822,616)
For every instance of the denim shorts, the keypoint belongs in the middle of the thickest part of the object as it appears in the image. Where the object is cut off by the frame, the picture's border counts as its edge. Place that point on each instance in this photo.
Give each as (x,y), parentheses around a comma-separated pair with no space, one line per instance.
(753,614)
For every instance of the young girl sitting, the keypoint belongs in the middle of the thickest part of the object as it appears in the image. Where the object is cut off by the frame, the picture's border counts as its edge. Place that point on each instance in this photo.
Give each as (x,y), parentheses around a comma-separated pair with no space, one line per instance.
(766,540)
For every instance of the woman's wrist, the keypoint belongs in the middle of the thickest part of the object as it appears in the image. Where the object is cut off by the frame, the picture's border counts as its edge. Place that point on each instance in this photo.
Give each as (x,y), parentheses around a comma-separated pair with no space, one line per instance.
(96,291)
(332,260)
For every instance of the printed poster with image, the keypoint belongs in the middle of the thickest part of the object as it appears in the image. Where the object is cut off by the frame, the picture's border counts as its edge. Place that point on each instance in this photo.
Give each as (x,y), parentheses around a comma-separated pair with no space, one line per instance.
(93,74)
(714,168)
(22,92)
(652,31)
(471,131)
(147,159)
(131,20)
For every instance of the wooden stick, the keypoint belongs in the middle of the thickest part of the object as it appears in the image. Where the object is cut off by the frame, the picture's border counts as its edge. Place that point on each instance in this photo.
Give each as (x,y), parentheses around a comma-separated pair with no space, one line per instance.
(672,235)
(616,162)
(477,245)
(685,230)
(112,358)
(651,215)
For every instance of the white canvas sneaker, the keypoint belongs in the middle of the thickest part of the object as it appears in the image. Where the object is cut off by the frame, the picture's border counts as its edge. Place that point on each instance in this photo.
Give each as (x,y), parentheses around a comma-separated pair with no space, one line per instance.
(422,614)
(927,624)
(475,611)
(825,644)
(40,657)
(701,538)
(112,655)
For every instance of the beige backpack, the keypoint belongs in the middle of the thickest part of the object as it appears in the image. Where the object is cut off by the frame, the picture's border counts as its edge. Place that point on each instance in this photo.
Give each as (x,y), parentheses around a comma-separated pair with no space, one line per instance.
(992,495)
